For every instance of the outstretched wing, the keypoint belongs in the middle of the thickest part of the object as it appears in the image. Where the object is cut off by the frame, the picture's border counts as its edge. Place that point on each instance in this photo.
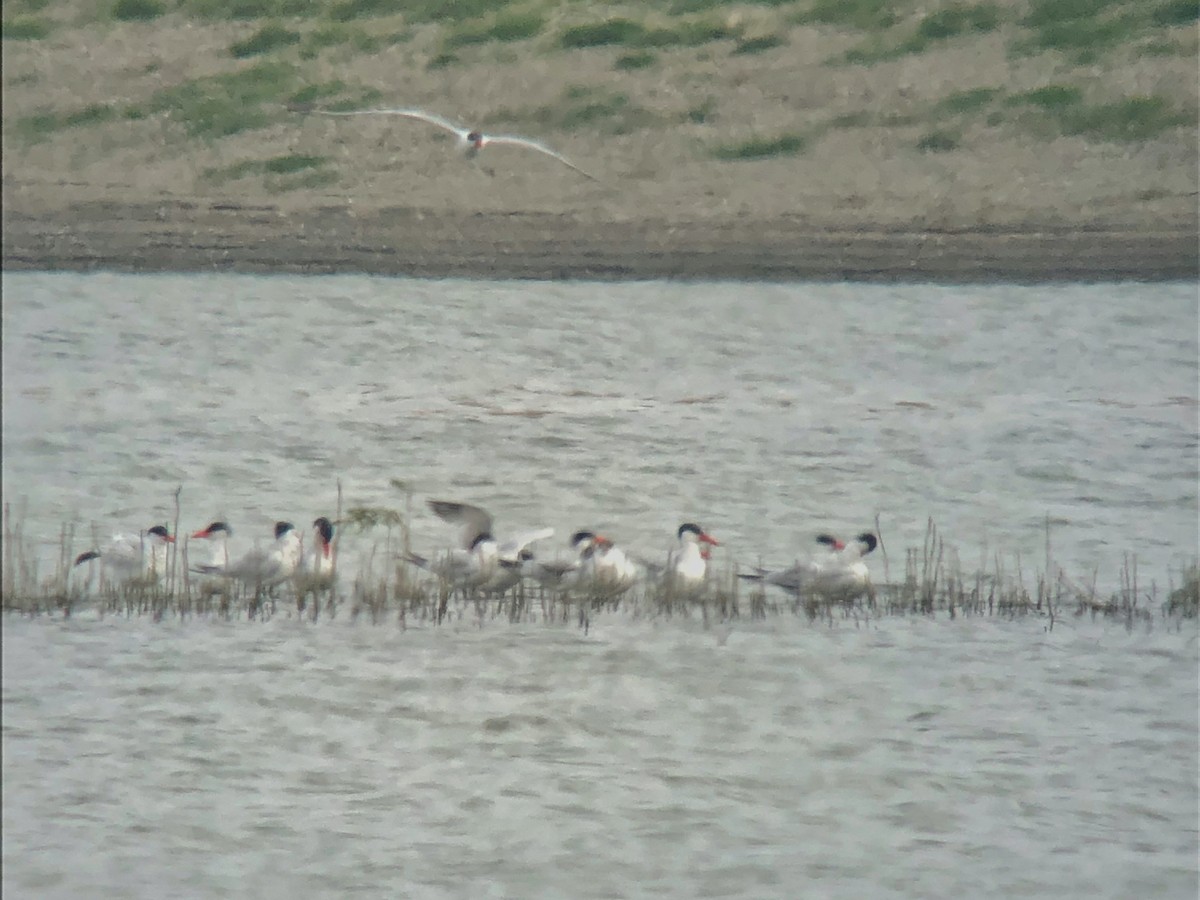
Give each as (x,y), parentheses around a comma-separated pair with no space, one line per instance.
(511,549)
(515,141)
(474,520)
(418,115)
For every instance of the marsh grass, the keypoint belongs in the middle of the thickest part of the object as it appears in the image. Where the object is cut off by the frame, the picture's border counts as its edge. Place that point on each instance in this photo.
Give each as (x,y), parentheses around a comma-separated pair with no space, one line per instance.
(24,28)
(584,107)
(940,140)
(759,44)
(137,10)
(279,173)
(42,125)
(221,105)
(864,15)
(636,35)
(762,147)
(949,22)
(383,588)
(271,36)
(503,27)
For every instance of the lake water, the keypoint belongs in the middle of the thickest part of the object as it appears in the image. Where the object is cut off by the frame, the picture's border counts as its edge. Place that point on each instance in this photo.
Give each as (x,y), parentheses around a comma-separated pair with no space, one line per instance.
(908,757)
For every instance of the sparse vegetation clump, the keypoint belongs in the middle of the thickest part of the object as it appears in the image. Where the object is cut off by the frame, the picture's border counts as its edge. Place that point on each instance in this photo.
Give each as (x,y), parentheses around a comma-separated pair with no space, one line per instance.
(762,147)
(24,28)
(270,37)
(504,27)
(137,10)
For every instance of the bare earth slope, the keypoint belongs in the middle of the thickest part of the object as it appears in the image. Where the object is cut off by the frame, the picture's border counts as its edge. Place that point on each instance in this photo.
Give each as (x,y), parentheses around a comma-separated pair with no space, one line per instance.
(776,144)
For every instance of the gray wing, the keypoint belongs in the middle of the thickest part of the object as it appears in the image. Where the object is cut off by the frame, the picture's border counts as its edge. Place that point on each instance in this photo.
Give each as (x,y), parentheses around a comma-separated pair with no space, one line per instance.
(511,549)
(515,141)
(474,520)
(415,114)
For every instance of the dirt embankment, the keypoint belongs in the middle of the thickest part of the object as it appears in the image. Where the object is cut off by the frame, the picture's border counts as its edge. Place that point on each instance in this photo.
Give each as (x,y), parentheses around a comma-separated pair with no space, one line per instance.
(934,165)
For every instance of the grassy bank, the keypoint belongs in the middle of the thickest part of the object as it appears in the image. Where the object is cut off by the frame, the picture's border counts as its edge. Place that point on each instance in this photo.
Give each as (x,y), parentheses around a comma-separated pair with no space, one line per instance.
(922,114)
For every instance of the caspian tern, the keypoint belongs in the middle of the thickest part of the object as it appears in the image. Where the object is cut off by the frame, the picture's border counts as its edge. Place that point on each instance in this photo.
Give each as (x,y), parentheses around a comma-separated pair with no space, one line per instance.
(470,141)
(688,564)
(319,561)
(475,562)
(840,574)
(133,555)
(258,567)
(566,573)
(217,534)
(612,571)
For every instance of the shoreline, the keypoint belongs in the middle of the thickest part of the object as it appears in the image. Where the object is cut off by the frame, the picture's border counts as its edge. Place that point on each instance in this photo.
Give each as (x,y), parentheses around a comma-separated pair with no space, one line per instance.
(175,235)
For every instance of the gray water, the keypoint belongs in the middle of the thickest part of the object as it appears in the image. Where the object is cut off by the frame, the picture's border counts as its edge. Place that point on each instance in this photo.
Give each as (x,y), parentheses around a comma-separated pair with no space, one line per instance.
(778,758)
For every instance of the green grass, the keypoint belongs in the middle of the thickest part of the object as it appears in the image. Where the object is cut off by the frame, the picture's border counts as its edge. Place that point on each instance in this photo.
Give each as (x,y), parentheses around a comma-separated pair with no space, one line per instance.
(24,28)
(1051,97)
(240,10)
(221,105)
(628,33)
(957,19)
(1085,30)
(965,102)
(444,11)
(137,10)
(1175,12)
(39,126)
(638,59)
(1131,119)
(504,27)
(759,44)
(944,24)
(865,15)
(701,112)
(599,34)
(762,147)
(1043,13)
(279,173)
(348,10)
(939,141)
(270,37)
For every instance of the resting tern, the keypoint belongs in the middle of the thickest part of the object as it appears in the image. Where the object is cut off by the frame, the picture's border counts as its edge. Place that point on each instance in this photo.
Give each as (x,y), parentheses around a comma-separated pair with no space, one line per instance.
(133,555)
(258,567)
(319,561)
(840,574)
(565,573)
(611,571)
(687,566)
(475,562)
(470,141)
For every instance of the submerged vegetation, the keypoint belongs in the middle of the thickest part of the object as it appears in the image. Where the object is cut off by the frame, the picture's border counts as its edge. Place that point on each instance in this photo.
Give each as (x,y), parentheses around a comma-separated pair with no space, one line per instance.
(382,588)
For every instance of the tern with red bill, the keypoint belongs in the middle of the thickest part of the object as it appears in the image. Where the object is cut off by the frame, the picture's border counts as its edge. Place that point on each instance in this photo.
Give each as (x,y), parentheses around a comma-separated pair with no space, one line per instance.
(319,561)
(258,567)
(687,566)
(470,140)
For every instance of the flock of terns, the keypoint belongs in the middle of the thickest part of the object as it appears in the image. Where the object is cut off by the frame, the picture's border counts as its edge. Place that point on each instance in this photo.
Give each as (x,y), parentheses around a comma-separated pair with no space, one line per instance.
(483,565)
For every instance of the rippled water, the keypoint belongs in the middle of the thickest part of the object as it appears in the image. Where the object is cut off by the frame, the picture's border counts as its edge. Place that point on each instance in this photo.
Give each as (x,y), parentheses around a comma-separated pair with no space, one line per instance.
(766,412)
(915,759)
(778,758)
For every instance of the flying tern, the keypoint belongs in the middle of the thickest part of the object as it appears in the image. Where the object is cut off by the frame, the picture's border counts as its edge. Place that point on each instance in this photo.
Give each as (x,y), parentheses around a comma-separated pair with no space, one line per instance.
(470,140)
